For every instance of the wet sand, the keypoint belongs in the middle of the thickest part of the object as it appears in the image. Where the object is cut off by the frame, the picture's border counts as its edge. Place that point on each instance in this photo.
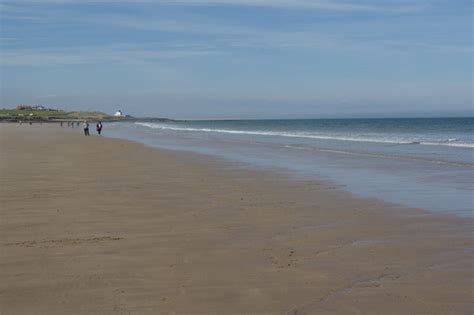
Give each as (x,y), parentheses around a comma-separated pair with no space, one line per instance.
(91,225)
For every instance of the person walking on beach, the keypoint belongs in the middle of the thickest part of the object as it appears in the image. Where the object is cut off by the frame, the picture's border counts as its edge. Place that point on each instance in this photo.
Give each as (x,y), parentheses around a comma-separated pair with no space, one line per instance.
(86,128)
(99,127)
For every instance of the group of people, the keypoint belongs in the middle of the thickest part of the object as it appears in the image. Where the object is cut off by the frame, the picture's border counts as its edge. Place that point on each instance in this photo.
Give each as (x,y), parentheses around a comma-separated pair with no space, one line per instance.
(98,127)
(85,125)
(70,123)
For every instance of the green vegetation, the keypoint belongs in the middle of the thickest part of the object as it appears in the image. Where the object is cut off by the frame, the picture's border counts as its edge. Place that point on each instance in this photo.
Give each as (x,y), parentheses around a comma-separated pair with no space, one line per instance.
(45,115)
(90,115)
(31,114)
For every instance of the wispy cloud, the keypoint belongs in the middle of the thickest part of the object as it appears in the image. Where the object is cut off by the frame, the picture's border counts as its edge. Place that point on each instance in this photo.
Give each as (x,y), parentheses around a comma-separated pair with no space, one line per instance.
(113,54)
(327,5)
(222,35)
(189,25)
(47,96)
(215,36)
(427,47)
(7,39)
(219,40)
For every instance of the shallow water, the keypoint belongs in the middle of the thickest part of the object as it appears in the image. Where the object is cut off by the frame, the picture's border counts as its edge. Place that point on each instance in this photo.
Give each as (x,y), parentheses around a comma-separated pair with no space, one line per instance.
(422,163)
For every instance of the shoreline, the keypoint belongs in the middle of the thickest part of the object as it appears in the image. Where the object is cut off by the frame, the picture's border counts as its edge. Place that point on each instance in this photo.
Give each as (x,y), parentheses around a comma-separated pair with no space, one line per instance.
(128,228)
(277,173)
(398,174)
(283,174)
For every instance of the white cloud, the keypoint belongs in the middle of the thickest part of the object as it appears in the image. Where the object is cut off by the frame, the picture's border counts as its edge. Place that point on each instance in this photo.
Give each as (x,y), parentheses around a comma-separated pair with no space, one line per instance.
(46,96)
(115,54)
(327,5)
(222,35)
(217,36)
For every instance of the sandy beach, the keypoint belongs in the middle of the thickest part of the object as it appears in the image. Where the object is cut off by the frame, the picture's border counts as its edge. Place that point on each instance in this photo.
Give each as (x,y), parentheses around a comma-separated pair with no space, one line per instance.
(92,225)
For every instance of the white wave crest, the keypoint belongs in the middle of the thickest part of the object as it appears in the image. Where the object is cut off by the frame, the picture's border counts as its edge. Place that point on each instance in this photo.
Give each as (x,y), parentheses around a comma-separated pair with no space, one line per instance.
(449,142)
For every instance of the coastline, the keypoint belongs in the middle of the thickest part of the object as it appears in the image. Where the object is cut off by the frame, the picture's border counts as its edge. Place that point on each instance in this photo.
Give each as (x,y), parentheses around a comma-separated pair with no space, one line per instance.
(391,168)
(99,225)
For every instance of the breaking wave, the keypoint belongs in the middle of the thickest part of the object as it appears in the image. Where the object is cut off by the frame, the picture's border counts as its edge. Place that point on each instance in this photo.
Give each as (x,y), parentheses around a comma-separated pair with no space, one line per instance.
(451,142)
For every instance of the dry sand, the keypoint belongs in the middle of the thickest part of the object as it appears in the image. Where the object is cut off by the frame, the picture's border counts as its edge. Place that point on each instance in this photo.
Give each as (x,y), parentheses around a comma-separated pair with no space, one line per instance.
(102,226)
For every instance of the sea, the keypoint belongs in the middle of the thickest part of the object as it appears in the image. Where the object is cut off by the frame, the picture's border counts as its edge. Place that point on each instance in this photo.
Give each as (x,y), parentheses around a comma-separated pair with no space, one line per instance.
(425,163)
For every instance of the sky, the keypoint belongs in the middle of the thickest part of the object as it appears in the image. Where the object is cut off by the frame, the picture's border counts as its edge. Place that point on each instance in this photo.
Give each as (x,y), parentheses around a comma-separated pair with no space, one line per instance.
(231,59)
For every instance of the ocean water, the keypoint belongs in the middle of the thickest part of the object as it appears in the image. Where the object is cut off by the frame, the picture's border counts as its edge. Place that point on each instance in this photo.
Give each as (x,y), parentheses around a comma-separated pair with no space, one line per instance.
(423,163)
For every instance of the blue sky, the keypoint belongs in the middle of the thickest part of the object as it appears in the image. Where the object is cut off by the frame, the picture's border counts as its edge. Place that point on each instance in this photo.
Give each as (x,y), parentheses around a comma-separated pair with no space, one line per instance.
(240,58)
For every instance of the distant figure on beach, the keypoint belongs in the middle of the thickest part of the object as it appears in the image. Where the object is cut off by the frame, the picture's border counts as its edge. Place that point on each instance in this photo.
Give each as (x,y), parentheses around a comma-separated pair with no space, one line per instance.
(31,123)
(99,127)
(61,123)
(86,128)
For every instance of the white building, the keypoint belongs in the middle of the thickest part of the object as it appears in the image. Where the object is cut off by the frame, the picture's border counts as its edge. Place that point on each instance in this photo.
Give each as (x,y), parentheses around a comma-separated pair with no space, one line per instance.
(119,114)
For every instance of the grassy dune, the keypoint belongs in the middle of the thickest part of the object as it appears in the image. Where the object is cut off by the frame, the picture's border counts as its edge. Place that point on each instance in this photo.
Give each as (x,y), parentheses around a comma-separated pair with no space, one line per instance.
(44,115)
